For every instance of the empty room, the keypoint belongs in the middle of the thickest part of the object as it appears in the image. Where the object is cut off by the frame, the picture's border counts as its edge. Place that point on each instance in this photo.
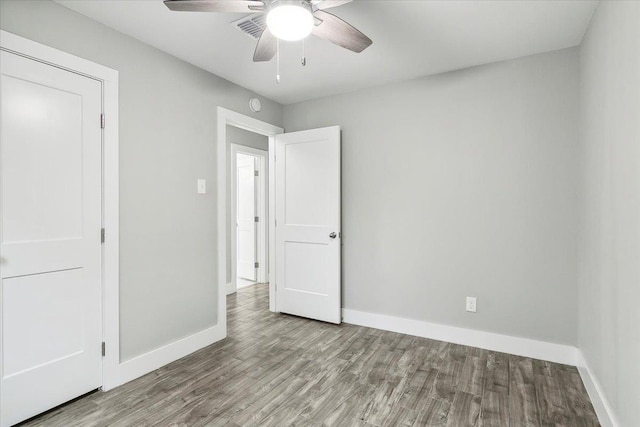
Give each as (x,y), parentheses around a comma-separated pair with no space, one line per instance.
(320,213)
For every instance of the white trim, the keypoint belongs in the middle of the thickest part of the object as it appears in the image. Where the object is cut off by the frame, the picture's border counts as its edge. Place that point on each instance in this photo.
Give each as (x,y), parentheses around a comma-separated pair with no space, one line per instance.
(262,236)
(111,246)
(247,284)
(228,117)
(604,410)
(154,359)
(230,289)
(272,224)
(110,220)
(558,353)
(52,56)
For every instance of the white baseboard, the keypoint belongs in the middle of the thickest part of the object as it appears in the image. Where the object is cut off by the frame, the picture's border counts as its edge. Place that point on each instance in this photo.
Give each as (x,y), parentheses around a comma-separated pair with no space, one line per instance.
(601,404)
(552,352)
(247,285)
(230,288)
(145,363)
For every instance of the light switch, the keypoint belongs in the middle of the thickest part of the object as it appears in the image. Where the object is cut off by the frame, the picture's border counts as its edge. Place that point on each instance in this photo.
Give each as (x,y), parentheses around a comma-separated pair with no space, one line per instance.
(202,186)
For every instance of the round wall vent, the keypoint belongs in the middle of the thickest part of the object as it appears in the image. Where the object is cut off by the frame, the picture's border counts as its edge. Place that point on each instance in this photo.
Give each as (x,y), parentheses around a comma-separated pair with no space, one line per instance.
(255,105)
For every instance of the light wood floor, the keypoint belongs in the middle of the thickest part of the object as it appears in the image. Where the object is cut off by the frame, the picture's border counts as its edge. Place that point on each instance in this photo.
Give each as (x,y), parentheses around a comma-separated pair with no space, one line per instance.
(277,370)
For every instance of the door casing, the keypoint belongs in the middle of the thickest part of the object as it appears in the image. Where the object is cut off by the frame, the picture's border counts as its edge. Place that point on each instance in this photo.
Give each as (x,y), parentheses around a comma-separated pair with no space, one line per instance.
(263,214)
(228,117)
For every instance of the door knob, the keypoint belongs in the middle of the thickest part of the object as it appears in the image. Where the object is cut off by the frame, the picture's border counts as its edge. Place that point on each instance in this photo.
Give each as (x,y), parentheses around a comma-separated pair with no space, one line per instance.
(333,235)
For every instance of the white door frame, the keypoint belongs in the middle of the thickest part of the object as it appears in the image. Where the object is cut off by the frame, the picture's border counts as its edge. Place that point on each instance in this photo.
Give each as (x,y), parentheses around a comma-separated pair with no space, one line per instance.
(110,187)
(228,117)
(263,215)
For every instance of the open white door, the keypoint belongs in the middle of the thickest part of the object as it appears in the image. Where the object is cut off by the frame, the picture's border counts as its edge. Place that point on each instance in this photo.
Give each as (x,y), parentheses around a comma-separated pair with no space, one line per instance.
(308,223)
(245,216)
(50,255)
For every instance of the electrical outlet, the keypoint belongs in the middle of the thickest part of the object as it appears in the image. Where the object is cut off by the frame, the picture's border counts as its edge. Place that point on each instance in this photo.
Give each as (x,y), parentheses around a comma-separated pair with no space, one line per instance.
(471,304)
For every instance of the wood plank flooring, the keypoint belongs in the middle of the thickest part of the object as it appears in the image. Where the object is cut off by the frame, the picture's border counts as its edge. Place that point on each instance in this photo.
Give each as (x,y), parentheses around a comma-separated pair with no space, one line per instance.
(279,370)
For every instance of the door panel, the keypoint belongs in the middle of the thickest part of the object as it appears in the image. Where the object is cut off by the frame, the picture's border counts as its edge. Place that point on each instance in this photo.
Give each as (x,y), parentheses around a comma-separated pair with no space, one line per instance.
(31,303)
(52,172)
(307,213)
(305,185)
(246,213)
(50,220)
(307,268)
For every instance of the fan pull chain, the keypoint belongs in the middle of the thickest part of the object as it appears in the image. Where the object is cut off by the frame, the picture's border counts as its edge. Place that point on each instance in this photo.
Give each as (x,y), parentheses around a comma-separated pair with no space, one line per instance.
(278,62)
(304,58)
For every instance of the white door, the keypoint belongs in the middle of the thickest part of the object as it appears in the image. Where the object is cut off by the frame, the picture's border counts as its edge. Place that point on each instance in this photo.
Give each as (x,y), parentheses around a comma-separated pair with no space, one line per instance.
(308,223)
(246,214)
(50,220)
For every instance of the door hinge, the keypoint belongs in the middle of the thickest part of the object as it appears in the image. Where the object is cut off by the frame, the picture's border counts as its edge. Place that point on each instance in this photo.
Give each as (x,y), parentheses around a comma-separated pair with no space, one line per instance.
(104,349)
(256,173)
(257,264)
(256,219)
(102,121)
(102,235)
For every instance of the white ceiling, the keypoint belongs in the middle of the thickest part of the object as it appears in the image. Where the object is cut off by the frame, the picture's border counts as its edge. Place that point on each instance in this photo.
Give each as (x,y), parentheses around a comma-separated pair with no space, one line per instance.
(410,39)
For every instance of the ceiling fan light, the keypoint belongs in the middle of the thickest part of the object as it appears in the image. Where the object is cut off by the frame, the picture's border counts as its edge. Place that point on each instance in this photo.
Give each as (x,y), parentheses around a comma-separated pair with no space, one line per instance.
(290,22)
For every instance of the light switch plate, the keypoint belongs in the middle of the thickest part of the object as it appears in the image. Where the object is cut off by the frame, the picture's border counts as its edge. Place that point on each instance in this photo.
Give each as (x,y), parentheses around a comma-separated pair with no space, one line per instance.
(202,186)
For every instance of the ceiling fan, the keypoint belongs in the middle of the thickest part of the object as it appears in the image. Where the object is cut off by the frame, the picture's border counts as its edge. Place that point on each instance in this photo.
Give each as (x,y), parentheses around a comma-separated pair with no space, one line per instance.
(288,20)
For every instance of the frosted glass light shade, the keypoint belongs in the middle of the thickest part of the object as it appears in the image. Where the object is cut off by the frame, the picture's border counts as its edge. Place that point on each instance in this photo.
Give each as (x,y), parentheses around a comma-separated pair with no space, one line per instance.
(290,22)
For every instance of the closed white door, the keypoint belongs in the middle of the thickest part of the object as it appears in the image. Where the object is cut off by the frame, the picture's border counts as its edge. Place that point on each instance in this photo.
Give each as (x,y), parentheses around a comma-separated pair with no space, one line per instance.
(308,223)
(246,214)
(50,255)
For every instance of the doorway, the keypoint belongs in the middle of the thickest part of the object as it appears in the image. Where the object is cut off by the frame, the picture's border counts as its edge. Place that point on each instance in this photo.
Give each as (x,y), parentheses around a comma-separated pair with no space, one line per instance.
(227,122)
(305,204)
(248,216)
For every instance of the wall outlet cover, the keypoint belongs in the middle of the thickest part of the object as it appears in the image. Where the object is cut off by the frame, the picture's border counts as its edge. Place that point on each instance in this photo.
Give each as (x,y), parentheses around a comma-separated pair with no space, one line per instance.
(471,304)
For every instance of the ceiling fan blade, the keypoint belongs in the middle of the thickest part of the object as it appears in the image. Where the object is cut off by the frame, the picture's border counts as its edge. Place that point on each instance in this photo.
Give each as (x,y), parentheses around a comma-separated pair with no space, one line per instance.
(227,6)
(266,47)
(327,4)
(339,32)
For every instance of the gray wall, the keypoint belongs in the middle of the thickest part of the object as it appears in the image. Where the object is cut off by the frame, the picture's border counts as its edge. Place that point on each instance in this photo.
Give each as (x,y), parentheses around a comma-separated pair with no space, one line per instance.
(248,139)
(462,184)
(168,274)
(609,289)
